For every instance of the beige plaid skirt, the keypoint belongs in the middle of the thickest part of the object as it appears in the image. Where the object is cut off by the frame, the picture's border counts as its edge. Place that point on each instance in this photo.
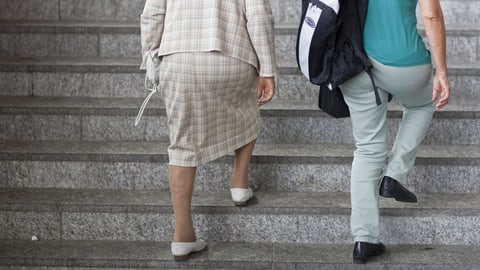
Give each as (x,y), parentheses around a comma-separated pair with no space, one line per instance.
(211,106)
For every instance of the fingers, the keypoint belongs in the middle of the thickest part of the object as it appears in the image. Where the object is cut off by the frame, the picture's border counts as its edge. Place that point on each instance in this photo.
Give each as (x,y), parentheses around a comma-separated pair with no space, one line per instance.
(265,90)
(267,95)
(441,92)
(434,95)
(442,101)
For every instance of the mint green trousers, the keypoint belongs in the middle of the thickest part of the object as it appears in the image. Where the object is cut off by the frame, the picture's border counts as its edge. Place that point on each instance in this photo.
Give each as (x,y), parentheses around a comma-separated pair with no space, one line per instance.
(412,87)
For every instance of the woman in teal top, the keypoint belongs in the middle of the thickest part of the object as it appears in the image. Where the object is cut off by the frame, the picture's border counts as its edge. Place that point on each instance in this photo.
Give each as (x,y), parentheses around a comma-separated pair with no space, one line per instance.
(391,35)
(401,67)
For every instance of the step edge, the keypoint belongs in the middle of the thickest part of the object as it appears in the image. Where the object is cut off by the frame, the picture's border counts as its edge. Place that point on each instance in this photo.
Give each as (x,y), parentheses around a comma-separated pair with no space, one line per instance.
(251,255)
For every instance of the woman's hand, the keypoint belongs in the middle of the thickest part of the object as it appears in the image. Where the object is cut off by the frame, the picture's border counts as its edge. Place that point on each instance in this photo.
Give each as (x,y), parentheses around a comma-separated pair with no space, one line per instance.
(265,90)
(433,20)
(441,90)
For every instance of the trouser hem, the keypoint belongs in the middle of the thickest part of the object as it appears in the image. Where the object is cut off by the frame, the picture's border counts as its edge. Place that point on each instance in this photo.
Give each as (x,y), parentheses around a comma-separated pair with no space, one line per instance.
(367,239)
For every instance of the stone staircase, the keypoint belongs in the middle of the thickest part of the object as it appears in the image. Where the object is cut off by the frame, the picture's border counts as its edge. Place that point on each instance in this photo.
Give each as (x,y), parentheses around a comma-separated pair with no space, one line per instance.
(77,175)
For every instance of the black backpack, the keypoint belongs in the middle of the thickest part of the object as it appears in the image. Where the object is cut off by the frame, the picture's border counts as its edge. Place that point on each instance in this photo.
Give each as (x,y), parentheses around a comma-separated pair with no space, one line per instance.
(330,49)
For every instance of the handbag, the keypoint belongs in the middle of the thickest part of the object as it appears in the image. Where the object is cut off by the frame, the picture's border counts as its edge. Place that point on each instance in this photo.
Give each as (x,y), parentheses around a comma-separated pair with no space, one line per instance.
(331,101)
(152,79)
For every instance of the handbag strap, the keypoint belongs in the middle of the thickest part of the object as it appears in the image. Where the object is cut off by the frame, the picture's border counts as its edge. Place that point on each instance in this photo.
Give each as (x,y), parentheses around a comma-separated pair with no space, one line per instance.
(152,90)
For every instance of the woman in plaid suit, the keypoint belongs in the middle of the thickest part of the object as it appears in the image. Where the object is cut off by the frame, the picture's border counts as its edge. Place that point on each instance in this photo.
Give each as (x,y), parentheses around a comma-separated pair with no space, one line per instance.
(212,53)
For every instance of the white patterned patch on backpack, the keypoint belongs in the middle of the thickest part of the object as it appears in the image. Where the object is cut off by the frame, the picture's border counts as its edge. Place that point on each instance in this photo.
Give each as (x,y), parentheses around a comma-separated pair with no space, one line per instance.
(308,29)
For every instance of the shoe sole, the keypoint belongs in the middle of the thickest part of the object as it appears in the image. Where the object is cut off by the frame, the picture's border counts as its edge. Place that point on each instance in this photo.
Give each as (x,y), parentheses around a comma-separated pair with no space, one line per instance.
(181,258)
(240,203)
(360,261)
(364,260)
(388,195)
(243,203)
(406,201)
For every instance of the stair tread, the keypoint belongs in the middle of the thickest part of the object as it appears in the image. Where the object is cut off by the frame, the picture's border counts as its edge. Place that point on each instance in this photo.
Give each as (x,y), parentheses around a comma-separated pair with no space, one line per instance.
(131,65)
(71,61)
(225,255)
(133,27)
(102,105)
(82,150)
(264,202)
(101,61)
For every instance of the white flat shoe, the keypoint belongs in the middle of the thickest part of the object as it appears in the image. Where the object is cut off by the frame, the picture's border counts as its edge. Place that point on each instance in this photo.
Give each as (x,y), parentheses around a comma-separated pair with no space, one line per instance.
(181,250)
(240,196)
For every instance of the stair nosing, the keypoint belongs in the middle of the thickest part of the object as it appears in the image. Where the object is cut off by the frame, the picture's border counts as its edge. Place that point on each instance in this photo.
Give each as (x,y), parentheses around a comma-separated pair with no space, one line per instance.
(128,106)
(131,65)
(154,151)
(236,255)
(133,27)
(219,202)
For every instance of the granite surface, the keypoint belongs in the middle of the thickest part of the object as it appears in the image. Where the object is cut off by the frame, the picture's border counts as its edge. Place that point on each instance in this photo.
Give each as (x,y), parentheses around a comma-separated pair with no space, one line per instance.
(140,255)
(283,121)
(285,11)
(93,41)
(121,77)
(28,9)
(38,127)
(274,217)
(88,84)
(113,172)
(24,225)
(295,167)
(265,202)
(117,10)
(279,130)
(120,46)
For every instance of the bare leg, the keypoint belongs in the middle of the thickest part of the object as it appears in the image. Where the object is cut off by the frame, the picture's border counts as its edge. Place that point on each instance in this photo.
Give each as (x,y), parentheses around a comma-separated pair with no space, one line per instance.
(181,181)
(240,165)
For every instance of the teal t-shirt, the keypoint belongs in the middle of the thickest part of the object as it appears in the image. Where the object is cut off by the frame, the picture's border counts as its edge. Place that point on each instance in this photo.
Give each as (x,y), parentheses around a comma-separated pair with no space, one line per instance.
(391,36)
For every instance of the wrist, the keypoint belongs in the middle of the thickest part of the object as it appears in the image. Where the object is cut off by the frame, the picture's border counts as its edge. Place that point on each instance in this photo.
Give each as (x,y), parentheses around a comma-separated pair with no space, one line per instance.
(441,73)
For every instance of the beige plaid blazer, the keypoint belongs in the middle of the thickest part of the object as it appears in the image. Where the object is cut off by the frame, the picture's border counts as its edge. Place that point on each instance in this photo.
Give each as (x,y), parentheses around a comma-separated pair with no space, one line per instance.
(242,29)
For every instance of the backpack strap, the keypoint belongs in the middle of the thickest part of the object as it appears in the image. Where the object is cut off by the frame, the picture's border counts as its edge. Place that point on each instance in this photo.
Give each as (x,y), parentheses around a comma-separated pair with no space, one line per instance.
(378,100)
(361,8)
(367,66)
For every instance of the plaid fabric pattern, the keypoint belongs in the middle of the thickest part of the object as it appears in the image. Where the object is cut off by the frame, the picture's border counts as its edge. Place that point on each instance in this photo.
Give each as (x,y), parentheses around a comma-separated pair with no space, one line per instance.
(211,106)
(242,29)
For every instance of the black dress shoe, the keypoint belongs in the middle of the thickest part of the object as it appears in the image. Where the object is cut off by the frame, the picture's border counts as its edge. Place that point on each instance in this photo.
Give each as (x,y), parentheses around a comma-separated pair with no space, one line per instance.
(363,250)
(391,188)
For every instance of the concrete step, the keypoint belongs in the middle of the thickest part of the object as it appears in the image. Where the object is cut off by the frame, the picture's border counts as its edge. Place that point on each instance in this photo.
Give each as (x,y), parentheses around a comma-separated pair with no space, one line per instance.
(284,11)
(71,10)
(274,167)
(273,217)
(283,121)
(116,255)
(102,39)
(121,77)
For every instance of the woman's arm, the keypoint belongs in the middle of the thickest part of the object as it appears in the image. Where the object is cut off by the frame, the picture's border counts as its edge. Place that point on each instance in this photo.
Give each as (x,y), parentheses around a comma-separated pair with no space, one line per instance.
(432,17)
(260,29)
(151,26)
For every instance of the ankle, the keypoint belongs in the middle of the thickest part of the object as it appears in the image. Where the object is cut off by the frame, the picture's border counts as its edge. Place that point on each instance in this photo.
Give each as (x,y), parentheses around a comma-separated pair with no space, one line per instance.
(190,237)
(239,184)
(184,239)
(245,186)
